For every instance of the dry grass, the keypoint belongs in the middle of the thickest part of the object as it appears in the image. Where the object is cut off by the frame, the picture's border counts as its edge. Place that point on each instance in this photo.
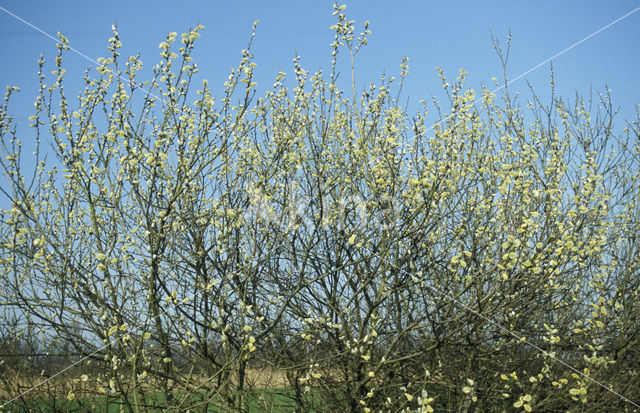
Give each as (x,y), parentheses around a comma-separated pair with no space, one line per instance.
(13,384)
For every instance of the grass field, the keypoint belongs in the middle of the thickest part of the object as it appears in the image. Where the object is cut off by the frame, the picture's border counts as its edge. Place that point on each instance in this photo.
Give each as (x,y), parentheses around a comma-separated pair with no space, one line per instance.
(260,400)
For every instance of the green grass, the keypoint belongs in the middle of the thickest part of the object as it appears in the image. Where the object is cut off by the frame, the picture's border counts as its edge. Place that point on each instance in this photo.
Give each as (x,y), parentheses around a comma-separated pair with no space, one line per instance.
(262,400)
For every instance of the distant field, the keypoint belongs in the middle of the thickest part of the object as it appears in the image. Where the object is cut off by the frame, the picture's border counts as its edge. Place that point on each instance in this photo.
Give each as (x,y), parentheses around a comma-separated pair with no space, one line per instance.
(267,391)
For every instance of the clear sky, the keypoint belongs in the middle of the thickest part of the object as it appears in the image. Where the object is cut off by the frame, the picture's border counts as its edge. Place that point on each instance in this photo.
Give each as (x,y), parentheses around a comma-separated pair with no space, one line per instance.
(447,34)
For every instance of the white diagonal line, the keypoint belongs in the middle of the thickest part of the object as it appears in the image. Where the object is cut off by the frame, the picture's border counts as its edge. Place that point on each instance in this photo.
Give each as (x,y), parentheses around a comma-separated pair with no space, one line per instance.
(547,60)
(447,117)
(114,340)
(506,330)
(568,48)
(121,77)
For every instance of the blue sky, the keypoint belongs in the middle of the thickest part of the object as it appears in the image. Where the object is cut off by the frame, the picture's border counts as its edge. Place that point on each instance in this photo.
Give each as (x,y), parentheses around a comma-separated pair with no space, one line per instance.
(451,35)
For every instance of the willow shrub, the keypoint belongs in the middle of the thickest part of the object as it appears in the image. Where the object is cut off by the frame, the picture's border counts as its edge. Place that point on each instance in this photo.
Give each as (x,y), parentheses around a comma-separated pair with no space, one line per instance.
(178,248)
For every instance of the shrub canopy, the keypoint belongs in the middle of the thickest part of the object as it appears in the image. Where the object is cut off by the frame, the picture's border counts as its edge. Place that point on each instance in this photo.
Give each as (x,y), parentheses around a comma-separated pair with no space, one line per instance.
(315,249)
